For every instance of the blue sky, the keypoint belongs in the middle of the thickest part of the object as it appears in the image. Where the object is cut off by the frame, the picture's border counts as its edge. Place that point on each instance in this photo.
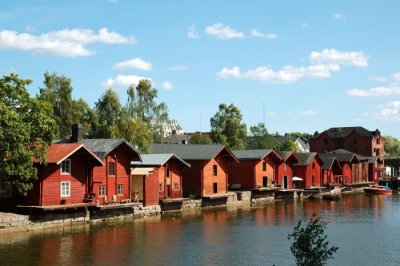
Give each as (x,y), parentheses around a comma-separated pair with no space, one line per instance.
(297,65)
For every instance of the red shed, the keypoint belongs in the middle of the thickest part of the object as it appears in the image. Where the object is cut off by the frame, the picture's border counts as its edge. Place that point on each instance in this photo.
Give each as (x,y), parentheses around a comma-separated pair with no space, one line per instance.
(331,168)
(256,168)
(164,171)
(111,182)
(65,177)
(208,174)
(309,169)
(285,169)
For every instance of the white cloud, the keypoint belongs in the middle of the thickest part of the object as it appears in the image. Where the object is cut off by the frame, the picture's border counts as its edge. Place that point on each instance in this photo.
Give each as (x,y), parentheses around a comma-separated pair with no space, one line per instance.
(389,111)
(167,85)
(192,32)
(68,42)
(339,16)
(258,34)
(333,56)
(122,81)
(309,113)
(223,32)
(396,77)
(378,78)
(135,63)
(177,68)
(227,73)
(375,92)
(323,64)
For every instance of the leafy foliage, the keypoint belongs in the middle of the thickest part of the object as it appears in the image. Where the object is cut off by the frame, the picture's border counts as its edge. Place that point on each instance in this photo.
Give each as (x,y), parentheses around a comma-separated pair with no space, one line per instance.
(260,138)
(310,245)
(109,112)
(227,127)
(199,138)
(392,147)
(287,145)
(27,128)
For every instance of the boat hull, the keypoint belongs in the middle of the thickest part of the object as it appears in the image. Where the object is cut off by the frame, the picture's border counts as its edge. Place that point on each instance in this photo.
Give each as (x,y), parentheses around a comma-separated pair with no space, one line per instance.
(377,191)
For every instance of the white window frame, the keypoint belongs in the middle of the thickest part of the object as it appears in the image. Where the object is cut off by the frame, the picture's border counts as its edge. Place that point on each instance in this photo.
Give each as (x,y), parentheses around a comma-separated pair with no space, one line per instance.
(176,186)
(5,190)
(120,189)
(64,190)
(102,192)
(66,167)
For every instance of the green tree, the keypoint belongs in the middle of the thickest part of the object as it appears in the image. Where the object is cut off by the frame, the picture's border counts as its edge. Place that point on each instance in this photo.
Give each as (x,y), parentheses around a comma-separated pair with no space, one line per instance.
(58,92)
(260,138)
(287,145)
(227,127)
(310,246)
(199,138)
(27,128)
(109,113)
(142,105)
(136,132)
(392,147)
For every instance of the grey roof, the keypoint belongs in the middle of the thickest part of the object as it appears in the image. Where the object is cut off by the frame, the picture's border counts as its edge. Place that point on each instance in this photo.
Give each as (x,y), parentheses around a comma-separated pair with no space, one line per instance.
(286,154)
(305,158)
(159,159)
(177,139)
(254,154)
(192,151)
(328,159)
(345,155)
(342,132)
(102,147)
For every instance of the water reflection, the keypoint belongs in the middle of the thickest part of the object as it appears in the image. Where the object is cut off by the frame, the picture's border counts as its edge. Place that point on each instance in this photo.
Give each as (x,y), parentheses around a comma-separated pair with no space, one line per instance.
(361,225)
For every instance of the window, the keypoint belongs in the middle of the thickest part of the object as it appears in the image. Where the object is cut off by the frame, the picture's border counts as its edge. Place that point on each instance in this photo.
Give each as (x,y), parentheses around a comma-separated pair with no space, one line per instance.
(65,188)
(120,189)
(176,185)
(313,165)
(5,190)
(378,141)
(167,172)
(160,187)
(102,190)
(215,170)
(326,141)
(111,168)
(264,166)
(66,166)
(215,187)
(284,167)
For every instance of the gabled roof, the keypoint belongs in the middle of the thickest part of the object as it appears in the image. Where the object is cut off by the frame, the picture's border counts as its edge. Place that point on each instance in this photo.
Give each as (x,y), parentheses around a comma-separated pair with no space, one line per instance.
(305,158)
(345,155)
(193,151)
(328,161)
(286,155)
(159,159)
(342,132)
(102,147)
(57,153)
(255,154)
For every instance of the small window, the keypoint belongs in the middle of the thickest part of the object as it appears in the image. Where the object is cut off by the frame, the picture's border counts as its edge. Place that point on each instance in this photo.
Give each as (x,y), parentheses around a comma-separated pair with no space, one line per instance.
(66,166)
(160,187)
(111,168)
(215,187)
(284,167)
(313,165)
(65,189)
(102,190)
(326,141)
(167,172)
(215,170)
(264,166)
(378,141)
(120,189)
(176,185)
(5,190)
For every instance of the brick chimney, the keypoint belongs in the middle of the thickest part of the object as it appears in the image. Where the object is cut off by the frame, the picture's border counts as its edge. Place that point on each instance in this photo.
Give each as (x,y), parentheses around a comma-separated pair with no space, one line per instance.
(76,133)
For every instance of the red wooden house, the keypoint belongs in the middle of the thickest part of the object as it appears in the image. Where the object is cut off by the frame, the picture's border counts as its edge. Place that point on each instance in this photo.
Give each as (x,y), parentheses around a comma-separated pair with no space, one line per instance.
(208,174)
(163,175)
(285,174)
(63,180)
(330,168)
(309,169)
(111,182)
(348,161)
(256,168)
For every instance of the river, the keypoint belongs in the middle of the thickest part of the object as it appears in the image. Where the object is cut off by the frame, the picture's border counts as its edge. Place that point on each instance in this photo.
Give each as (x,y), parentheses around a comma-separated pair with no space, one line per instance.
(364,227)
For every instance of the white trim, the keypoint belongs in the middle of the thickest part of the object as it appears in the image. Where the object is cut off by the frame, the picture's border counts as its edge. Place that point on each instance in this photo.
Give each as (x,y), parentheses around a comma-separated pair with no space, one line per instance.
(65,195)
(80,146)
(104,190)
(69,166)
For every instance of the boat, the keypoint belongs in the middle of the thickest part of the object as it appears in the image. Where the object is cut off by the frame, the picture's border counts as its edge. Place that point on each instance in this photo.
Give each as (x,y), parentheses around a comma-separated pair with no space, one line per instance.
(378,190)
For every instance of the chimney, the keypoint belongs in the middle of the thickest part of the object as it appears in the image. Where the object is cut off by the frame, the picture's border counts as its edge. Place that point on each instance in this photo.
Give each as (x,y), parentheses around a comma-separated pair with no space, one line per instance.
(76,133)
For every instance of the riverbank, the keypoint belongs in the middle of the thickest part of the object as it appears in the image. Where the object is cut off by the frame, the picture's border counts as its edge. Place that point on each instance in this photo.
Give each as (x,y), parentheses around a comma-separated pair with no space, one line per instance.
(36,218)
